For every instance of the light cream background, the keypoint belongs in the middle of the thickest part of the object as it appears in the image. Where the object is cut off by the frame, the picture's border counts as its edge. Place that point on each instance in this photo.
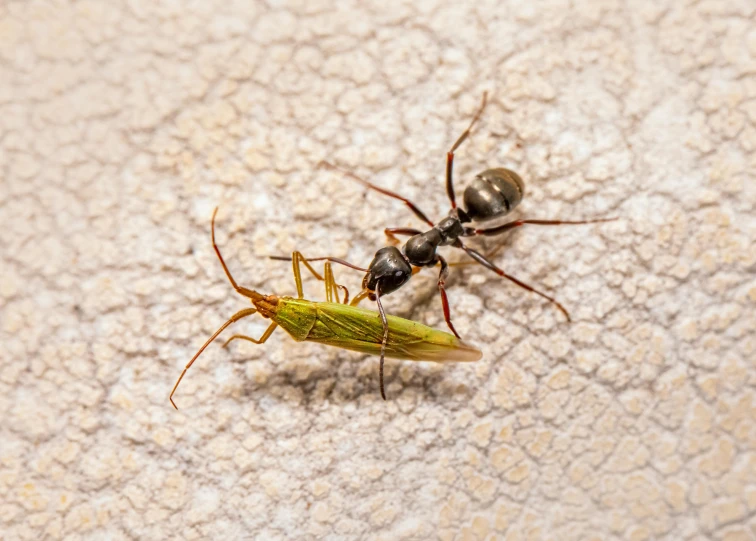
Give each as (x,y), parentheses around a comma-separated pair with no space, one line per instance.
(123,124)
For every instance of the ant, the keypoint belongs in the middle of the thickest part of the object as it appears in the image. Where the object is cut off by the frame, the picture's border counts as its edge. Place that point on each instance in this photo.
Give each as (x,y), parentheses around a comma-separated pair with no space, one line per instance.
(491,195)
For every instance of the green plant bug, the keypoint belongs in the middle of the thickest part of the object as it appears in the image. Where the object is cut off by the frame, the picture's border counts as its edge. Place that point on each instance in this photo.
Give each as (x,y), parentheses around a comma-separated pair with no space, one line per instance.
(338,324)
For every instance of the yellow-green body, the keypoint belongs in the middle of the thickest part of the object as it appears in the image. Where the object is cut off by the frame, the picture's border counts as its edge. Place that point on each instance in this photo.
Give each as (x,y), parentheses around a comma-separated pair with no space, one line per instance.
(358,329)
(339,325)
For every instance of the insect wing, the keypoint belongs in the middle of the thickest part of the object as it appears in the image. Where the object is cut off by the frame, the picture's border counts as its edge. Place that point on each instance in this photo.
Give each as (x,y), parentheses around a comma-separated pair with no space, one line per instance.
(358,329)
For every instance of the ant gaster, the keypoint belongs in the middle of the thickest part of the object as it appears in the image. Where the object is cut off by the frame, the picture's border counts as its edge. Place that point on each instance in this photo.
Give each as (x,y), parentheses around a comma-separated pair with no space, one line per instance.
(491,195)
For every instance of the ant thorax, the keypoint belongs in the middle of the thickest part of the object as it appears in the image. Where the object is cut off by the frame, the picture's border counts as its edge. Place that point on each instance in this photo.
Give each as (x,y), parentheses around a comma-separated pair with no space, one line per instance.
(451,227)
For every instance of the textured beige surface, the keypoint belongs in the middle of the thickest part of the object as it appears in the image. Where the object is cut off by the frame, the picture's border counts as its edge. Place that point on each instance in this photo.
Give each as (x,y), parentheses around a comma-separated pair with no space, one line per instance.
(121,126)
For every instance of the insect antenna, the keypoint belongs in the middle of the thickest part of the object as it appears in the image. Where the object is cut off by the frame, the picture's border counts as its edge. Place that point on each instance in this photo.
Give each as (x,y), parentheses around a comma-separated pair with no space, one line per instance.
(254,295)
(325,258)
(249,293)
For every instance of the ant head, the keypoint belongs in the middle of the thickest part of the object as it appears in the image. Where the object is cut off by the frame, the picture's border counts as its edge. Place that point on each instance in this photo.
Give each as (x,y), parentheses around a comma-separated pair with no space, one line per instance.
(421,249)
(493,193)
(389,268)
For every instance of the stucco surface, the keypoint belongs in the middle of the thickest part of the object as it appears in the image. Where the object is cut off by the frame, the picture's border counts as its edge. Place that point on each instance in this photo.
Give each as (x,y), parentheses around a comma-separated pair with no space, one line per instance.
(123,124)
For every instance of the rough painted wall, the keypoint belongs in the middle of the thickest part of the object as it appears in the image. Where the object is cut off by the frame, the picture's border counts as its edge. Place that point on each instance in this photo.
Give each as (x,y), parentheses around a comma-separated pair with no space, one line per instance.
(123,125)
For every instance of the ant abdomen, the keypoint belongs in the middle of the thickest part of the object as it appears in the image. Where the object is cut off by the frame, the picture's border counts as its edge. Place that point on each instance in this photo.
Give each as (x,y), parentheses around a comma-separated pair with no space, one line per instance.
(492,194)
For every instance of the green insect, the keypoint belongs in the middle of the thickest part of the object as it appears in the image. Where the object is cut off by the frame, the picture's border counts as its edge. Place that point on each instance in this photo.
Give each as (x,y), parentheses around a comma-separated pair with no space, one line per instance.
(338,324)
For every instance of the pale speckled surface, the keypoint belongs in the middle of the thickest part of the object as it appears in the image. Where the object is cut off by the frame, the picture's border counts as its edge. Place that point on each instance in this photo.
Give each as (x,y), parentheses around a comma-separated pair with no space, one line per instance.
(122,125)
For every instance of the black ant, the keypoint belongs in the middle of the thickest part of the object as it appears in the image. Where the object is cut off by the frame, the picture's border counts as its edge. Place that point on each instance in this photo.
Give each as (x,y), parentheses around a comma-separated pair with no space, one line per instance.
(493,194)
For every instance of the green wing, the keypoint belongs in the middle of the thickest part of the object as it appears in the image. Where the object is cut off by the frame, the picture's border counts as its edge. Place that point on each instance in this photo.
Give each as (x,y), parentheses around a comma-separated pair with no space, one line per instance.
(358,329)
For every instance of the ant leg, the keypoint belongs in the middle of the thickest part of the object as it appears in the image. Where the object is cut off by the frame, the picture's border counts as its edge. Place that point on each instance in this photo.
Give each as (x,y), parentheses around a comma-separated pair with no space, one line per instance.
(414,208)
(464,263)
(518,223)
(391,233)
(441,289)
(480,258)
(385,337)
(237,316)
(455,146)
(262,340)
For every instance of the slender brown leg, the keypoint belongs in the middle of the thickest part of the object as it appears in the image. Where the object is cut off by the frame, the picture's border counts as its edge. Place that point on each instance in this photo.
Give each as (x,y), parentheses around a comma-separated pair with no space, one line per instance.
(517,223)
(236,317)
(480,258)
(455,146)
(385,337)
(465,263)
(262,340)
(391,233)
(414,208)
(441,289)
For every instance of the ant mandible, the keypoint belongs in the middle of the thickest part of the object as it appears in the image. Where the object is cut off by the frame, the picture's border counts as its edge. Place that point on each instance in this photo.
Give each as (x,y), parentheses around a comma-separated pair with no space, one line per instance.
(493,194)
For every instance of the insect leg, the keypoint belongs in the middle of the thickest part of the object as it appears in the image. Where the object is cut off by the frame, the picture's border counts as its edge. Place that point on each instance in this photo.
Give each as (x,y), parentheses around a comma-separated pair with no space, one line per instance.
(466,263)
(297,258)
(262,340)
(330,283)
(332,288)
(385,337)
(480,258)
(391,233)
(414,208)
(518,223)
(455,146)
(441,289)
(358,298)
(237,316)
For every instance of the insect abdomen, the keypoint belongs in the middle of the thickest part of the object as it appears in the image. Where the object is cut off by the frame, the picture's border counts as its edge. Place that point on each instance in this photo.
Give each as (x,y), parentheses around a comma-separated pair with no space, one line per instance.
(358,329)
(493,193)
